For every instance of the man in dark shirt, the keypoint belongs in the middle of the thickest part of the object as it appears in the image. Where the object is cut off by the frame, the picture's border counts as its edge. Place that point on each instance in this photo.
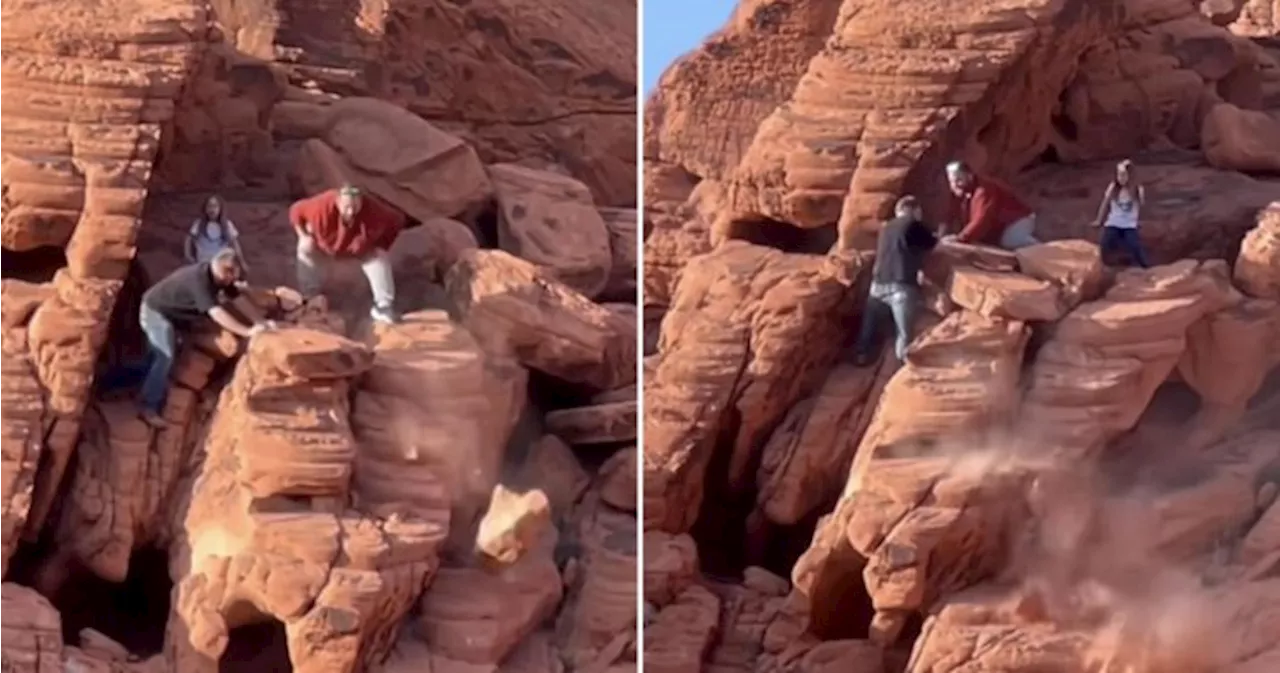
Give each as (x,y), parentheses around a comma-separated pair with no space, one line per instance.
(895,285)
(179,302)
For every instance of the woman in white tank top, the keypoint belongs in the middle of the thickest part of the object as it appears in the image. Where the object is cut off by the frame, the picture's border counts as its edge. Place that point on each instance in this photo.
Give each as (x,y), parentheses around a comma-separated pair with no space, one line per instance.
(1119,213)
(210,233)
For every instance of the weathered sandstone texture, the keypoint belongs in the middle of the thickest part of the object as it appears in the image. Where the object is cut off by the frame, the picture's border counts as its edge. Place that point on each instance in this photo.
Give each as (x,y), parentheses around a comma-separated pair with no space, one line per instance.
(1074,470)
(454,492)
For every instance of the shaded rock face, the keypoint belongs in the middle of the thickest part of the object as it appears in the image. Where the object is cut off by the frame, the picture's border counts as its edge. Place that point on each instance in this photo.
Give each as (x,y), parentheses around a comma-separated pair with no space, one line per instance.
(332,495)
(547,84)
(1073,468)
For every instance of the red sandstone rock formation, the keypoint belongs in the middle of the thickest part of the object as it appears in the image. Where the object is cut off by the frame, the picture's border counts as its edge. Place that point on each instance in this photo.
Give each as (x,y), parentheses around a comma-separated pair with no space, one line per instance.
(1073,470)
(453,492)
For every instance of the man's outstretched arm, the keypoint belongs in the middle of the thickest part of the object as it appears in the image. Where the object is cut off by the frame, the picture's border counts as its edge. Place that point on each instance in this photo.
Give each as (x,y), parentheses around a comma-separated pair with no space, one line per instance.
(229,322)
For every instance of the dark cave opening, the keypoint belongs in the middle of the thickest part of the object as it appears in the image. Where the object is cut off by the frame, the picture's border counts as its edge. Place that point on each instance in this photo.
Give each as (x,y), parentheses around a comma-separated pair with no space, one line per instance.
(910,632)
(548,393)
(721,529)
(841,605)
(261,647)
(37,265)
(778,548)
(1049,155)
(126,345)
(486,225)
(784,236)
(1062,123)
(134,612)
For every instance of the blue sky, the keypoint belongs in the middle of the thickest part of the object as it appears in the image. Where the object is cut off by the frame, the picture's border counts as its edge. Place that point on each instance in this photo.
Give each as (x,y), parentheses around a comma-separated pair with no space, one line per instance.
(673,27)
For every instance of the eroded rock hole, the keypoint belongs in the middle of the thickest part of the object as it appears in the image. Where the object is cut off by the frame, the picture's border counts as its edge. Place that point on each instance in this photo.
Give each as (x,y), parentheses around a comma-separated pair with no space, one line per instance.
(778,548)
(843,609)
(485,227)
(133,612)
(784,236)
(37,265)
(126,344)
(721,530)
(261,647)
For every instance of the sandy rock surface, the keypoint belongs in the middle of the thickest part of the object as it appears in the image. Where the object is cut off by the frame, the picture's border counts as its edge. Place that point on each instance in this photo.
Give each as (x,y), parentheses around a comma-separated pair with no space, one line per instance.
(332,495)
(1073,468)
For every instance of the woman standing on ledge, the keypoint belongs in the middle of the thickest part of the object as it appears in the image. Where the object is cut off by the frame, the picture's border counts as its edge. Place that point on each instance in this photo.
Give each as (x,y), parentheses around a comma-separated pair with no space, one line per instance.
(211,232)
(1119,212)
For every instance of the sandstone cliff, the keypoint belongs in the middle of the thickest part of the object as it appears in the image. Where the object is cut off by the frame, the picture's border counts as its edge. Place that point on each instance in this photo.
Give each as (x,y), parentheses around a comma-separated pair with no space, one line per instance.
(453,492)
(1074,470)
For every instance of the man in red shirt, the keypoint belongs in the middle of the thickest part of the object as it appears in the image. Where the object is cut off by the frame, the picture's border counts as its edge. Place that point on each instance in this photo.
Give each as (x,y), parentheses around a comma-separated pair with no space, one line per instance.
(344,224)
(989,211)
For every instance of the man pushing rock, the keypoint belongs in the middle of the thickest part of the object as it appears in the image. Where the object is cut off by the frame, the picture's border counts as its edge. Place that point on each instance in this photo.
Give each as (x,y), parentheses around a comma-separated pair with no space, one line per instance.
(181,301)
(989,212)
(343,224)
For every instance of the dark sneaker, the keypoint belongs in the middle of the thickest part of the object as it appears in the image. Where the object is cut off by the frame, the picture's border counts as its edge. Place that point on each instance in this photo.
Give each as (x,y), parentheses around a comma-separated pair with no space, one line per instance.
(385,315)
(153,419)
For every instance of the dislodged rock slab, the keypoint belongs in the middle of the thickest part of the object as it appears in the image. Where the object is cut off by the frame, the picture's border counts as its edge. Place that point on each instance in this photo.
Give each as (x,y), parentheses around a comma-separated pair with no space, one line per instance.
(1074,266)
(550,220)
(511,306)
(513,523)
(1005,295)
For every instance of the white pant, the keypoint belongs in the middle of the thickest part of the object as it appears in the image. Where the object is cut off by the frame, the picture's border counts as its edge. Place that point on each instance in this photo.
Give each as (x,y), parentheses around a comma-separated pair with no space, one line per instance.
(1020,234)
(376,267)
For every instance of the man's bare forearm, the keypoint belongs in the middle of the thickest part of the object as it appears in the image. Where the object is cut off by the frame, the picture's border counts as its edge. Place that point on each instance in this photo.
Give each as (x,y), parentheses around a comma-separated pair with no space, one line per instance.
(228,322)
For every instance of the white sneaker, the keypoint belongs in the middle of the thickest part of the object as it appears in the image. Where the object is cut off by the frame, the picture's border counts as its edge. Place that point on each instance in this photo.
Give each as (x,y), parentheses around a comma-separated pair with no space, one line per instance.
(385,315)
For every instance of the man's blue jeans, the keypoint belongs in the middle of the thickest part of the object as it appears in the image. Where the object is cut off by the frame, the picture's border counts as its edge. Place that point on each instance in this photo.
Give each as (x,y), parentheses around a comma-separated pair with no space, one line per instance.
(162,343)
(900,300)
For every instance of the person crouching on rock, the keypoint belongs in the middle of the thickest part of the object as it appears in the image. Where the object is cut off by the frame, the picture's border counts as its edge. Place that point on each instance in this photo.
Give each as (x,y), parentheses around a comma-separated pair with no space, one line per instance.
(180,302)
(991,212)
(895,284)
(1118,215)
(343,224)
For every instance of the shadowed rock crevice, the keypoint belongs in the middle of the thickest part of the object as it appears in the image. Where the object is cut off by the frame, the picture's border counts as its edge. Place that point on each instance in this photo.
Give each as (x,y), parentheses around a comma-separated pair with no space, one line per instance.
(259,646)
(783,236)
(133,612)
(37,265)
